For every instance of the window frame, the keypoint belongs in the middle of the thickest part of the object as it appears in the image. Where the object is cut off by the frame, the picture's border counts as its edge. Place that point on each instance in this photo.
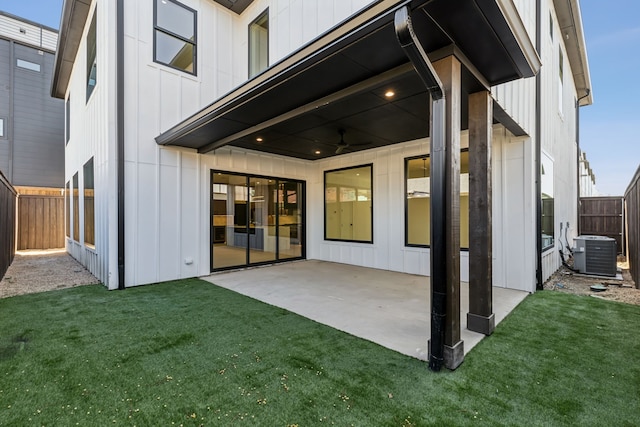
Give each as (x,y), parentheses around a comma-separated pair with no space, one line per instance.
(92,65)
(406,201)
(67,120)
(90,162)
(194,43)
(249,55)
(75,235)
(324,198)
(3,128)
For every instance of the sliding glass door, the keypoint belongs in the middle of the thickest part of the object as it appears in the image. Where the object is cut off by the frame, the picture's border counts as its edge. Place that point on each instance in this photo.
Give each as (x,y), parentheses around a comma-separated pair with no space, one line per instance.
(255,220)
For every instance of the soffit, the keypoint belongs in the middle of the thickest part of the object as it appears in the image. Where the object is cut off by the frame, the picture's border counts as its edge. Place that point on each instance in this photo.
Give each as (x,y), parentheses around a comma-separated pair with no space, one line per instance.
(72,21)
(338,81)
(570,23)
(237,6)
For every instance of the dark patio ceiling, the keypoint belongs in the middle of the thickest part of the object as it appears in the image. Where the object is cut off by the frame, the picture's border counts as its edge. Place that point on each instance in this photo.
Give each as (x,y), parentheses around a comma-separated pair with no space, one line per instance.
(338,81)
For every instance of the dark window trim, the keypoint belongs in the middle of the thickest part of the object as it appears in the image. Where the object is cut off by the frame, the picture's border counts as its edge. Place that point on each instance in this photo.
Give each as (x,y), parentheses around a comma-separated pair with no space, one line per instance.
(406,206)
(67,120)
(193,42)
(260,16)
(303,231)
(324,205)
(91,245)
(94,24)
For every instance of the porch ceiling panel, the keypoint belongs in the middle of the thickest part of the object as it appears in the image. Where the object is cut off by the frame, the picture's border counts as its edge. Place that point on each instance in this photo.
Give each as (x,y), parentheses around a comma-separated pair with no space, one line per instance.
(298,106)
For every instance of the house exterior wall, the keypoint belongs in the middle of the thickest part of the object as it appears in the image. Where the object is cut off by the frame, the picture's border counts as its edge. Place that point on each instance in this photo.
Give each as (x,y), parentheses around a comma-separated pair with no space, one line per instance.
(31,144)
(92,134)
(167,191)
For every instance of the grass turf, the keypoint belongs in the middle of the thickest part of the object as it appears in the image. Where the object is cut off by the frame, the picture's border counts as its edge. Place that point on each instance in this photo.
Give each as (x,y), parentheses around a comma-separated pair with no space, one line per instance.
(189,353)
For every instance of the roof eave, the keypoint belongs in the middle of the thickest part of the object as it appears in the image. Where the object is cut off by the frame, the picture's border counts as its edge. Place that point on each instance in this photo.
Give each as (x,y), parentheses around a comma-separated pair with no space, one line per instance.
(72,22)
(570,22)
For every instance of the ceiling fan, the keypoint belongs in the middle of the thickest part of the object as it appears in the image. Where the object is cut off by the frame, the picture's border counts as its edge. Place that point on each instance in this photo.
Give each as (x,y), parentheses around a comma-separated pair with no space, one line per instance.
(342,145)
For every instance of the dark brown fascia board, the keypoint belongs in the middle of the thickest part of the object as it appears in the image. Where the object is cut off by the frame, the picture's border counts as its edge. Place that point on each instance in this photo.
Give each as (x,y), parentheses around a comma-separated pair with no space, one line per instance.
(72,22)
(570,23)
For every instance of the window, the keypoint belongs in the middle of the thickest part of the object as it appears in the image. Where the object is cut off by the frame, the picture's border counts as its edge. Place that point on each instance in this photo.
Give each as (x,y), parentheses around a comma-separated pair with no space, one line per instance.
(259,44)
(76,209)
(67,117)
(2,134)
(67,198)
(174,35)
(551,26)
(546,182)
(89,212)
(418,201)
(92,63)
(348,196)
(28,65)
(560,78)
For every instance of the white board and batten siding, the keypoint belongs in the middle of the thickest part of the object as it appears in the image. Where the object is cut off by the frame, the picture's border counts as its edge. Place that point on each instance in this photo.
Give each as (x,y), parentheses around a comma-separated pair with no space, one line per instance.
(93,134)
(167,189)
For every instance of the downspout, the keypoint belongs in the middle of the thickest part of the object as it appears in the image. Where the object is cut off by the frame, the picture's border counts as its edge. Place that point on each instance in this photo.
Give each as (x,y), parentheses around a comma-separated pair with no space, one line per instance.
(120,136)
(578,177)
(418,57)
(538,151)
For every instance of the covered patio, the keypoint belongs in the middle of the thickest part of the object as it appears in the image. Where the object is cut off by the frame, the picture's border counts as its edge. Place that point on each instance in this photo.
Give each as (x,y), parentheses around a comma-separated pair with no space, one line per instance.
(439,60)
(388,308)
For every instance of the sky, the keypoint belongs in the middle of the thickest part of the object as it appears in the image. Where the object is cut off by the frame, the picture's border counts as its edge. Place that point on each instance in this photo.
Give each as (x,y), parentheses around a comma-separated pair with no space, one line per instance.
(607,128)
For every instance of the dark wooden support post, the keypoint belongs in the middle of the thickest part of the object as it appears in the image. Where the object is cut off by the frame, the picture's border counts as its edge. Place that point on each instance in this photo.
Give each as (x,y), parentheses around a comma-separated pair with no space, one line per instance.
(449,70)
(480,317)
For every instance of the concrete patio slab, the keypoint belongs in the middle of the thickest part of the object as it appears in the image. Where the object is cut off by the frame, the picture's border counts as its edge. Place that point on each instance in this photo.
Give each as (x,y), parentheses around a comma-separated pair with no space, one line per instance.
(389,308)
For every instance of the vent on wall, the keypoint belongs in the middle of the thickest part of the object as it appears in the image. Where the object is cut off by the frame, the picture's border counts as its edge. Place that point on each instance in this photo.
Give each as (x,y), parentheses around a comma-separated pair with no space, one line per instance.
(595,255)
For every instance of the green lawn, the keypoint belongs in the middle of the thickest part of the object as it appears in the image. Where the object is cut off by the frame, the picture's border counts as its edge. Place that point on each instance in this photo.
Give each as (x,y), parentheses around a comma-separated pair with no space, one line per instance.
(189,353)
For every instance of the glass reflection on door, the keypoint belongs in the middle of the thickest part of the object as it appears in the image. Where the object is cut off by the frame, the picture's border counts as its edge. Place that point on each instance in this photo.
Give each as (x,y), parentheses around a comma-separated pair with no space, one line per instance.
(290,219)
(230,220)
(262,220)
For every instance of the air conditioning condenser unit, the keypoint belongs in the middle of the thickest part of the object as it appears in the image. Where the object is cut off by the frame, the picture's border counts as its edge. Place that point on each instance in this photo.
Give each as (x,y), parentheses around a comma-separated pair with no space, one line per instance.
(595,255)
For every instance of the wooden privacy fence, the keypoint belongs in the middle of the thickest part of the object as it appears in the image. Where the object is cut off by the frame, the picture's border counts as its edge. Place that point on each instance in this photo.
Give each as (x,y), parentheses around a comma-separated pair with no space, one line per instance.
(632,205)
(40,219)
(8,197)
(603,216)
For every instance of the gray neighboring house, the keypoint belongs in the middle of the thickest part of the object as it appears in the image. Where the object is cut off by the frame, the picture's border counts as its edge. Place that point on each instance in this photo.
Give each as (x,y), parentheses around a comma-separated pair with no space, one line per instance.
(31,121)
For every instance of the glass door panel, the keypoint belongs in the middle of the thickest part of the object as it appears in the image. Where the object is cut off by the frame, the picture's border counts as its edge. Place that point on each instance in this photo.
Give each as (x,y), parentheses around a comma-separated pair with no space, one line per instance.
(229,220)
(290,219)
(263,236)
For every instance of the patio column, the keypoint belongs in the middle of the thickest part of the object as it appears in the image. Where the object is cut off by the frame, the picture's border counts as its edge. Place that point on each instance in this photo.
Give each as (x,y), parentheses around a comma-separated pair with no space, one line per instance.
(480,317)
(449,71)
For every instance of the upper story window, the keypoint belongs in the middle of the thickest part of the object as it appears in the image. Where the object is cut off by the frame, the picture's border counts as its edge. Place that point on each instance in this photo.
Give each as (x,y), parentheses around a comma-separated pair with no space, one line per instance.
(259,44)
(560,79)
(174,35)
(92,61)
(2,127)
(551,26)
(67,118)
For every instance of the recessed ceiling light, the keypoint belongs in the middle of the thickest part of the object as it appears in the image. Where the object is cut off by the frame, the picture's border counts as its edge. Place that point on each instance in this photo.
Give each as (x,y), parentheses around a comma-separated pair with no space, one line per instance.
(389,94)
(259,139)
(317,151)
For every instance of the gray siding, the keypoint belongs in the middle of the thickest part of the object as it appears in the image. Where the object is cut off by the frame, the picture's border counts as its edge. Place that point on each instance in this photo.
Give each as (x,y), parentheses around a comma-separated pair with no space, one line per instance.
(33,152)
